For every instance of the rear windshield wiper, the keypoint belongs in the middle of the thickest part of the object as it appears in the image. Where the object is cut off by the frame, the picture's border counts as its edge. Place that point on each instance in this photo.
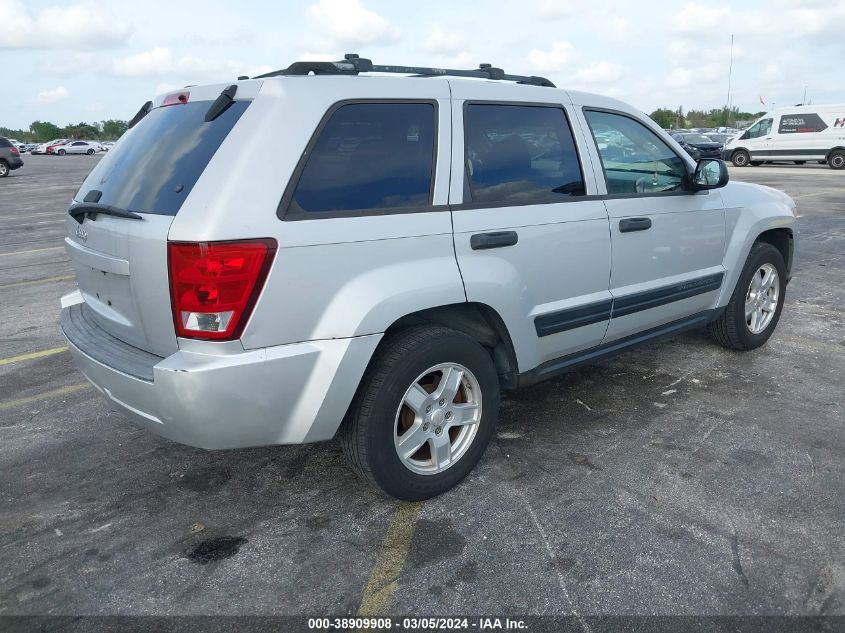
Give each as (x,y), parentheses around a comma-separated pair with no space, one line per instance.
(80,210)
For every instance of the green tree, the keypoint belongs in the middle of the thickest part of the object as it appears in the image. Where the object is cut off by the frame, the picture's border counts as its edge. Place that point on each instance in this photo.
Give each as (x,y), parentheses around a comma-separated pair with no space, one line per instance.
(45,130)
(664,117)
(113,129)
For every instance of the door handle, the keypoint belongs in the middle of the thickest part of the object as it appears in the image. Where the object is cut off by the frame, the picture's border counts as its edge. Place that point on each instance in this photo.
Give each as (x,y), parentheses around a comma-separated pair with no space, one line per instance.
(483,241)
(634,224)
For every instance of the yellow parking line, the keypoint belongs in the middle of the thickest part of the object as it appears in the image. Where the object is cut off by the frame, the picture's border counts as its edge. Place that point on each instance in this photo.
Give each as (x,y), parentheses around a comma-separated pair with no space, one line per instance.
(37,281)
(55,393)
(32,355)
(390,562)
(34,250)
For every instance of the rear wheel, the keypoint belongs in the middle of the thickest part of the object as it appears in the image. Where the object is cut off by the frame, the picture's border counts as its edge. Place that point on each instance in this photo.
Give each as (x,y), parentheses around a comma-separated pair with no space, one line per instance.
(424,413)
(799,162)
(90,151)
(4,169)
(756,303)
(756,163)
(836,159)
(740,158)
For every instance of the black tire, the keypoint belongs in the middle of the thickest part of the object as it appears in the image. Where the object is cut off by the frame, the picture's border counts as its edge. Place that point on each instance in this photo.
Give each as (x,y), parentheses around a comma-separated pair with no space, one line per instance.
(731,329)
(740,158)
(367,432)
(836,159)
(756,163)
(799,162)
(61,152)
(90,152)
(4,168)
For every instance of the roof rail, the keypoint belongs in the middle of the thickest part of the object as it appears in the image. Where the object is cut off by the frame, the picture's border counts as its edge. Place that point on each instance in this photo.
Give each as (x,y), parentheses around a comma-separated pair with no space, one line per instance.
(352,64)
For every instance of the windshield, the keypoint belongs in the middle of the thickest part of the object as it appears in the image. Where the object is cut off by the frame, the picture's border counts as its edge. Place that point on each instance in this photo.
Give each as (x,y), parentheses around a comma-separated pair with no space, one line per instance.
(156,165)
(696,138)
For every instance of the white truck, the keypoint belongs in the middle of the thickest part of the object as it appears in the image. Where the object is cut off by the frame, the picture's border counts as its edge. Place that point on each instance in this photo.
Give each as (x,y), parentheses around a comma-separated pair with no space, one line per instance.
(797,134)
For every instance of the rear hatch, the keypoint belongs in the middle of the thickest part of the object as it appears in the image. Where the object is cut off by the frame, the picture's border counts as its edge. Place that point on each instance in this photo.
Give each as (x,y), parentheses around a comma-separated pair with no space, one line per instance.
(121,263)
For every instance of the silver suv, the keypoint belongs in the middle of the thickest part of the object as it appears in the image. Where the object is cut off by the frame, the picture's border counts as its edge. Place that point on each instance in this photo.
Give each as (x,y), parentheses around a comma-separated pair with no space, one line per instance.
(326,252)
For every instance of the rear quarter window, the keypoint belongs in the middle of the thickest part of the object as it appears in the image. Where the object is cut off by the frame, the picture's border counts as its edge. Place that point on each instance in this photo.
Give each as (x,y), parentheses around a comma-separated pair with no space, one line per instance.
(4,143)
(155,167)
(366,158)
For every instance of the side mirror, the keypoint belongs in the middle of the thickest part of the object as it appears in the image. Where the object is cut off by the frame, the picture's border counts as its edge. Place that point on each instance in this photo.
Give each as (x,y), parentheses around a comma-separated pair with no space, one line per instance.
(710,173)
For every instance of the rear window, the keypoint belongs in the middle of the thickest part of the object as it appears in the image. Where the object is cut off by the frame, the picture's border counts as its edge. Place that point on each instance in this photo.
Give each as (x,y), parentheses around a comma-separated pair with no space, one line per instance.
(155,167)
(4,143)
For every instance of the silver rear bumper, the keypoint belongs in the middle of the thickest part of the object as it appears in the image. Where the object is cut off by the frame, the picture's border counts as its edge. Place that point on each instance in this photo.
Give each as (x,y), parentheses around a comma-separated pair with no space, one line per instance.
(288,394)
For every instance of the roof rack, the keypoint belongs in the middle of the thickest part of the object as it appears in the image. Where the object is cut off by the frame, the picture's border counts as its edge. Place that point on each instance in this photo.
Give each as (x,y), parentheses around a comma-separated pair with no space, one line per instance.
(352,64)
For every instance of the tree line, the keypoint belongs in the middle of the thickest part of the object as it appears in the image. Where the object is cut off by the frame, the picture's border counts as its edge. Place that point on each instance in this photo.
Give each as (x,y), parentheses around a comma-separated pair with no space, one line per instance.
(43,131)
(717,117)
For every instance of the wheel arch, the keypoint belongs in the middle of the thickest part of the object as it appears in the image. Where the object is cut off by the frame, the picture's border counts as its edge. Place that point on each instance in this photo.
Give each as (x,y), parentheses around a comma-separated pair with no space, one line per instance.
(477,320)
(782,239)
(840,148)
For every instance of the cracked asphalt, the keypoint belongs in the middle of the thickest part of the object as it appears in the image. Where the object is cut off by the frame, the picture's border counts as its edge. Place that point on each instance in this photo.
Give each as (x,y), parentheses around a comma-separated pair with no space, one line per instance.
(679,478)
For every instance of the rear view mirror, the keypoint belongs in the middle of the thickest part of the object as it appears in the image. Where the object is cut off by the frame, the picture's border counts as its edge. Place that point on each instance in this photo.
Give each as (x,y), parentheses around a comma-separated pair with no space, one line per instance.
(710,173)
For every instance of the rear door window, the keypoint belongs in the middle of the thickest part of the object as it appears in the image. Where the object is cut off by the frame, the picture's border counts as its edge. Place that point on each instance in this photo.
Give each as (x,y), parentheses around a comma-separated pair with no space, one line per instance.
(520,154)
(155,167)
(368,157)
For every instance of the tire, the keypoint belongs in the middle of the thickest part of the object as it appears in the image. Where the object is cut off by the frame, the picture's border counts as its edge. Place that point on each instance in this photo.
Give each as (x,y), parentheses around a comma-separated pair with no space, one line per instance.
(756,163)
(370,432)
(4,169)
(61,152)
(90,152)
(799,162)
(732,329)
(836,159)
(740,158)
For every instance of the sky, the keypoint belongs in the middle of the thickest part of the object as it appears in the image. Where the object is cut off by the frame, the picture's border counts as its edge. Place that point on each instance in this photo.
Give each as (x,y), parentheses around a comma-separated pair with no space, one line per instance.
(68,61)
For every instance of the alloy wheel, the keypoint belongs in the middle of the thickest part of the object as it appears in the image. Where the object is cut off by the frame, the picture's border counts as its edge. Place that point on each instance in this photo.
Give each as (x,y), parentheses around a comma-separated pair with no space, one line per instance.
(761,300)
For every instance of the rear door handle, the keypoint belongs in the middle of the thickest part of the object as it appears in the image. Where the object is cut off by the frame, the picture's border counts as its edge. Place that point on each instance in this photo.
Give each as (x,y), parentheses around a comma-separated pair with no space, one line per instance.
(634,224)
(483,241)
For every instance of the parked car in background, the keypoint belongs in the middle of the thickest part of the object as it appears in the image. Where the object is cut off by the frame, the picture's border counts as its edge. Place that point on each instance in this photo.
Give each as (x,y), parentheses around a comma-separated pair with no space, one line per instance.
(56,147)
(719,137)
(42,147)
(795,134)
(393,273)
(78,147)
(107,145)
(10,157)
(28,147)
(699,146)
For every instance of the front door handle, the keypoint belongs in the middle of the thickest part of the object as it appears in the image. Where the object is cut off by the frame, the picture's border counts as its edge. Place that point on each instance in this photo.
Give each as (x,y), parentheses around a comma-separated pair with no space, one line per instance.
(634,224)
(483,241)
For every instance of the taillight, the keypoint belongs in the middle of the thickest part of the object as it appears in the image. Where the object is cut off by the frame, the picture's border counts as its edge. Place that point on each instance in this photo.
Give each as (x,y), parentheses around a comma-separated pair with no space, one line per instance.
(14,151)
(176,98)
(214,285)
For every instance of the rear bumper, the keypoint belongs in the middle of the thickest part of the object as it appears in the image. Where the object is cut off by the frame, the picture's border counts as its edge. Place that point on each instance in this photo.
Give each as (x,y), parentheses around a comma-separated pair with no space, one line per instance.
(288,394)
(15,162)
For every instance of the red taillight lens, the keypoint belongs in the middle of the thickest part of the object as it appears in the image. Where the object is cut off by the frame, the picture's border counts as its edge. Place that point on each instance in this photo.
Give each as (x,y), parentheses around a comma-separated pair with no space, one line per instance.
(214,285)
(176,98)
(14,151)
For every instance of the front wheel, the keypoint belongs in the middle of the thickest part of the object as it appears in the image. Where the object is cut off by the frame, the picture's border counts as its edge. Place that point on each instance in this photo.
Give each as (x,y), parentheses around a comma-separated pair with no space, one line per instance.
(836,160)
(740,158)
(424,413)
(90,152)
(756,303)
(61,152)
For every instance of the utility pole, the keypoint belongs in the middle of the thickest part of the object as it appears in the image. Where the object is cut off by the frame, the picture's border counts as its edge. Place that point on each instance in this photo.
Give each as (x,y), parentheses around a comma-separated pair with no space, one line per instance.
(804,99)
(730,72)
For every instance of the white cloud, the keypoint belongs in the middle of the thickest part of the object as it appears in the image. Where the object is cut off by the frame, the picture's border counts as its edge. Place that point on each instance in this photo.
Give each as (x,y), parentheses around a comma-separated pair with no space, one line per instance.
(555,9)
(347,23)
(87,25)
(160,62)
(555,59)
(444,43)
(699,18)
(679,78)
(52,96)
(599,72)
